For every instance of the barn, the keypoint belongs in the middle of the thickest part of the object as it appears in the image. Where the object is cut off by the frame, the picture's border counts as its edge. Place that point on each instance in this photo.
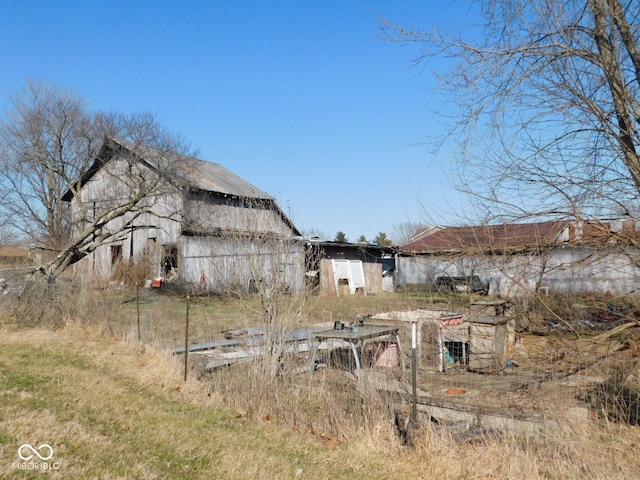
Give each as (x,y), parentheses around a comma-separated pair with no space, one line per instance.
(186,220)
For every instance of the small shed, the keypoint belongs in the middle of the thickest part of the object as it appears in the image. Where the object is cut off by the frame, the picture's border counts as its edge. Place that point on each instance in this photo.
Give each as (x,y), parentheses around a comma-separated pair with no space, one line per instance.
(342,268)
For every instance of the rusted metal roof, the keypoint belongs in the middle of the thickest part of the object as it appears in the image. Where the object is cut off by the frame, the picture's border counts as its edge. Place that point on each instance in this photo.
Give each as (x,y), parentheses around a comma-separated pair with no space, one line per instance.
(524,236)
(13,251)
(490,237)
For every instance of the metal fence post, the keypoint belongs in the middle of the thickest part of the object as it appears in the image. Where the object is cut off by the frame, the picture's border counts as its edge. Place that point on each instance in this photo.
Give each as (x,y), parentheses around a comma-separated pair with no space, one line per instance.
(186,341)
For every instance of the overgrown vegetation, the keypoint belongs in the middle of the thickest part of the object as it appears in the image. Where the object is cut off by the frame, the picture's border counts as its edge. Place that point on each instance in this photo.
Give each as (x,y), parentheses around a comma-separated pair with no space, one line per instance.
(75,376)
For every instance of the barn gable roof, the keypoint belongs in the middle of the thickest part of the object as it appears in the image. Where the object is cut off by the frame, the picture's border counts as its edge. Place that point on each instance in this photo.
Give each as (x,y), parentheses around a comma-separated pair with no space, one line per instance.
(183,171)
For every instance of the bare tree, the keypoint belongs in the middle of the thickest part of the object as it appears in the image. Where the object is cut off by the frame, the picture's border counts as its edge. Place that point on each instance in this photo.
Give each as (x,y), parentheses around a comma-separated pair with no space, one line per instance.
(48,139)
(405,231)
(138,185)
(252,249)
(548,116)
(51,143)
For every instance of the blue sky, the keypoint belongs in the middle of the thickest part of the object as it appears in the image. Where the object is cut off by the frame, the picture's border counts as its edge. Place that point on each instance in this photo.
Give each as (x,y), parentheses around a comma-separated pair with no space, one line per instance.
(304,99)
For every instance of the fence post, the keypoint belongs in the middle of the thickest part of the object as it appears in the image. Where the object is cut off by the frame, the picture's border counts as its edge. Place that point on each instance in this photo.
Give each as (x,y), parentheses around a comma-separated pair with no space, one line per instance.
(138,310)
(186,341)
(414,372)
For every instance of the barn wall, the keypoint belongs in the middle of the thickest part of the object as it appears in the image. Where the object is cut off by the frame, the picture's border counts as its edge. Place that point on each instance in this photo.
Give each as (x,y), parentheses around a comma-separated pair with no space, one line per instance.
(228,263)
(141,245)
(586,269)
(207,213)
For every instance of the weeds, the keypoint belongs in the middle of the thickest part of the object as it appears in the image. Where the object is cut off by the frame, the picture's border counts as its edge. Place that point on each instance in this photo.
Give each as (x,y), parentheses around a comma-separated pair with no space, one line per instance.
(115,407)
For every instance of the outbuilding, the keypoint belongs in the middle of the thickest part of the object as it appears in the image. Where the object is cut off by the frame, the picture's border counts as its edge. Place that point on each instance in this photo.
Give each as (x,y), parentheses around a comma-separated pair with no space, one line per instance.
(197,223)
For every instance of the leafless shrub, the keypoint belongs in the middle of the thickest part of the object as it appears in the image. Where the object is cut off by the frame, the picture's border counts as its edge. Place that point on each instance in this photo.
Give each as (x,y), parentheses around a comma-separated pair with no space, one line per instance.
(331,403)
(618,397)
(40,304)
(66,302)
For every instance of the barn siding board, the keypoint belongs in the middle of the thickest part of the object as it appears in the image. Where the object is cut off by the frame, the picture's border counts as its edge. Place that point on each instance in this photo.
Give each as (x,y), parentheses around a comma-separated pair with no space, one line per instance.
(208,213)
(373,278)
(229,262)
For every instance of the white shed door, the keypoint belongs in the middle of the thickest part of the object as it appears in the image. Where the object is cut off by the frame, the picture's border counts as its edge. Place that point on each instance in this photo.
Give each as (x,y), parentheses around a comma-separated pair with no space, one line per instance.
(349,270)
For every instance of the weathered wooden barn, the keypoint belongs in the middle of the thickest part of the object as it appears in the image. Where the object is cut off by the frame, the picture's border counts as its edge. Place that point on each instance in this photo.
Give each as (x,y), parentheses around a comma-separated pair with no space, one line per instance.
(521,259)
(188,220)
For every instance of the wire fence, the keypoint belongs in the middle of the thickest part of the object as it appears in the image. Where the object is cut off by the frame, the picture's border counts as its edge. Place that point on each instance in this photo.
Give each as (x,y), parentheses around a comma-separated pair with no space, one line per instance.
(470,367)
(483,368)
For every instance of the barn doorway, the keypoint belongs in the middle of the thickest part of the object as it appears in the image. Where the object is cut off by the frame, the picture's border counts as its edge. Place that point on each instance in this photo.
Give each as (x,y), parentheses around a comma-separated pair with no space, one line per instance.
(170,261)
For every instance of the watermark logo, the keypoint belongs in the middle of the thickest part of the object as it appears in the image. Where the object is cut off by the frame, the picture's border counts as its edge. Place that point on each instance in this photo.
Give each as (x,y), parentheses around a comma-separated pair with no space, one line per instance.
(31,456)
(44,452)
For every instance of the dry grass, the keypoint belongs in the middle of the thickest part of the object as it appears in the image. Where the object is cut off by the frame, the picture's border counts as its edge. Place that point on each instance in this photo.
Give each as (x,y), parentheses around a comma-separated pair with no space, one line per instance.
(112,411)
(162,315)
(113,407)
